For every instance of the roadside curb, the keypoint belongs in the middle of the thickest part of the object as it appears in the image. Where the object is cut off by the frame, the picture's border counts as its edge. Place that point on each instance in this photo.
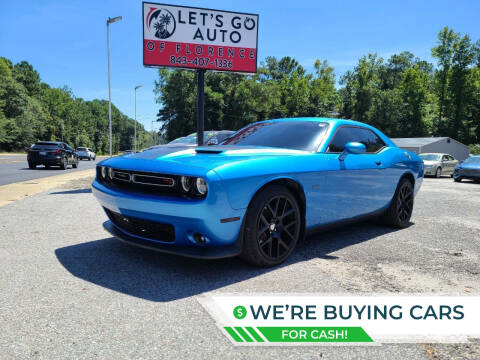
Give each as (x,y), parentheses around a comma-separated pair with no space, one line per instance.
(16,191)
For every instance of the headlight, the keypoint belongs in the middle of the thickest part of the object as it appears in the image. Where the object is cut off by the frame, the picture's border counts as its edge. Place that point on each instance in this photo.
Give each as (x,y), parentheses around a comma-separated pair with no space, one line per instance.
(110,173)
(103,170)
(186,183)
(201,186)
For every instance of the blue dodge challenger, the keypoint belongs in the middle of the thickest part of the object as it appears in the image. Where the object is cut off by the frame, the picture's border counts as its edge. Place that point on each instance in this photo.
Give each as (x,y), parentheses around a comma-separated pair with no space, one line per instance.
(258,192)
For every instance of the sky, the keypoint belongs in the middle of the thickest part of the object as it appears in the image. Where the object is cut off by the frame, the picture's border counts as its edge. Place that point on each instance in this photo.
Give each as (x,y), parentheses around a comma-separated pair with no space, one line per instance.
(65,40)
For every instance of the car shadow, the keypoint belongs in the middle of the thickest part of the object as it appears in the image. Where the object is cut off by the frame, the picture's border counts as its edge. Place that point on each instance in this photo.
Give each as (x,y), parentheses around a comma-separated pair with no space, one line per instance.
(53,167)
(76,191)
(162,277)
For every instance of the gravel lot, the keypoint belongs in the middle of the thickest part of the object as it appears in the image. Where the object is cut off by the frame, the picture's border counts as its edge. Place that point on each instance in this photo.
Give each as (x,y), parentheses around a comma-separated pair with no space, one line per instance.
(68,290)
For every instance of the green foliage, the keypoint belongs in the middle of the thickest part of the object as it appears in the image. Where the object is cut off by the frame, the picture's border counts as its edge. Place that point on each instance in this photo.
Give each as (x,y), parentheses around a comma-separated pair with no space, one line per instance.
(281,88)
(475,149)
(31,110)
(403,96)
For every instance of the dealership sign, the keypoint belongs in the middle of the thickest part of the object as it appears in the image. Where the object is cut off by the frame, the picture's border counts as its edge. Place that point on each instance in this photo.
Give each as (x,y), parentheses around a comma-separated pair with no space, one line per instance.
(197,38)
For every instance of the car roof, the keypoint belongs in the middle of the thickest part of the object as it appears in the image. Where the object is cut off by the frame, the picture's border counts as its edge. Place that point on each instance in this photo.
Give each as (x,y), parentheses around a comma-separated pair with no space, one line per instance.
(49,142)
(433,154)
(331,121)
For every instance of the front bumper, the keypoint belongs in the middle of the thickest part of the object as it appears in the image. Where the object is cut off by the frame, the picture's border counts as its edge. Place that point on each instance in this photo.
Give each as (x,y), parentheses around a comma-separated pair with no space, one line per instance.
(187,216)
(430,171)
(218,252)
(466,174)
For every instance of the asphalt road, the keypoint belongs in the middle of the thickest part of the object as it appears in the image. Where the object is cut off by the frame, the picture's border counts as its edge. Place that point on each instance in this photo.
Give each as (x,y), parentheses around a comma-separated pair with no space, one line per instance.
(14,168)
(69,290)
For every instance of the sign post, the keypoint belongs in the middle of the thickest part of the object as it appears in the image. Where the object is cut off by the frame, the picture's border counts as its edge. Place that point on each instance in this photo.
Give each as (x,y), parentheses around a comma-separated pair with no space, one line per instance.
(200,105)
(201,39)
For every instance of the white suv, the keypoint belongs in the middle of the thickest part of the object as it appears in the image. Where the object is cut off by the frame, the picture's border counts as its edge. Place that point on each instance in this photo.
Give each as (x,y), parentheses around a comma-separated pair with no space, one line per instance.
(85,153)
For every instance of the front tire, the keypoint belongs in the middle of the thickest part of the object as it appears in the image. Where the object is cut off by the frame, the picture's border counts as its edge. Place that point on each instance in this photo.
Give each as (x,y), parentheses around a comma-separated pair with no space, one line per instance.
(272,227)
(400,210)
(438,173)
(457,179)
(32,166)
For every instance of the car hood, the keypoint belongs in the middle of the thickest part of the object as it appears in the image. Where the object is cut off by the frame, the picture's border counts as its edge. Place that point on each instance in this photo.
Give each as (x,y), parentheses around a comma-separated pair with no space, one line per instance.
(181,159)
(469,166)
(430,162)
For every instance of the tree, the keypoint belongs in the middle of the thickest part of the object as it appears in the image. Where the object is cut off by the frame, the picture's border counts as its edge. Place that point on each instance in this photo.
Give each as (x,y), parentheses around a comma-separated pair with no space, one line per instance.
(443,52)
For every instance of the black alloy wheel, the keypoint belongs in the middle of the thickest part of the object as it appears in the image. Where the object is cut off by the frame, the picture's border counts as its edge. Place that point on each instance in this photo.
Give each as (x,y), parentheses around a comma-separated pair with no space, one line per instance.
(273,226)
(277,228)
(400,210)
(405,202)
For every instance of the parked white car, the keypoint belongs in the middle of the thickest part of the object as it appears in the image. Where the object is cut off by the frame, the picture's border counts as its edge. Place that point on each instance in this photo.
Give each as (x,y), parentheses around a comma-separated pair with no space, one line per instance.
(436,164)
(85,153)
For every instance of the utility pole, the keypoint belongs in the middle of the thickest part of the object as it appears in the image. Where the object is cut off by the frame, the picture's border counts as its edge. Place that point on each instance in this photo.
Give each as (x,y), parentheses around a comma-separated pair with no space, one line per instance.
(110,21)
(135,125)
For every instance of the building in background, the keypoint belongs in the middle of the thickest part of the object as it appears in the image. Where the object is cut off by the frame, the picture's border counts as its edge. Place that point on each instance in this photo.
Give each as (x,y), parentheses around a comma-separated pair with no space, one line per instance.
(443,145)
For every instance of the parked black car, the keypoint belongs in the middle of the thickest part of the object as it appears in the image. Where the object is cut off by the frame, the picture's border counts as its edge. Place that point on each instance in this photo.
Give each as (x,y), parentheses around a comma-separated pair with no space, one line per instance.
(51,153)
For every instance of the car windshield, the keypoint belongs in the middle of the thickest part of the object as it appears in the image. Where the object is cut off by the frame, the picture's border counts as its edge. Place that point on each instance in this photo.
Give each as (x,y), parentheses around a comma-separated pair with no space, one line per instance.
(472,160)
(432,157)
(188,140)
(178,140)
(81,149)
(221,136)
(43,145)
(297,135)
(192,138)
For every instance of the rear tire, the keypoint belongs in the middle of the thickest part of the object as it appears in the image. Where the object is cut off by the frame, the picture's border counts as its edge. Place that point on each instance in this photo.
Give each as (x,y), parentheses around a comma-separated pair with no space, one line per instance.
(457,179)
(400,210)
(32,166)
(272,227)
(64,164)
(438,173)
(75,164)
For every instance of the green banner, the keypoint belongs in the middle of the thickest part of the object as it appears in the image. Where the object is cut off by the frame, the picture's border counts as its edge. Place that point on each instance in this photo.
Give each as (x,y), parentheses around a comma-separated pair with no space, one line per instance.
(280,334)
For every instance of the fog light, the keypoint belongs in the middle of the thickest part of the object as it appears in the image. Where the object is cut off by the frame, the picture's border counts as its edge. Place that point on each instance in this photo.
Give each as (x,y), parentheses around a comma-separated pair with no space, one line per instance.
(199,238)
(103,171)
(201,186)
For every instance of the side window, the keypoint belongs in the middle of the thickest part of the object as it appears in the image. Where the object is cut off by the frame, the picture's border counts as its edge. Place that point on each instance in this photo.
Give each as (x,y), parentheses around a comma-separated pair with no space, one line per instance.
(347,134)
(445,158)
(451,158)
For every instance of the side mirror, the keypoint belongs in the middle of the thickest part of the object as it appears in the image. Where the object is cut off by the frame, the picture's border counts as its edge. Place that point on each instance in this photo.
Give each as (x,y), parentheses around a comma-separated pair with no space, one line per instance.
(212,141)
(352,148)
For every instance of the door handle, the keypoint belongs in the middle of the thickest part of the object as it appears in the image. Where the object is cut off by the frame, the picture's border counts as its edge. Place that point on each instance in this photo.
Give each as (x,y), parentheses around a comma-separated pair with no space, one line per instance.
(378,163)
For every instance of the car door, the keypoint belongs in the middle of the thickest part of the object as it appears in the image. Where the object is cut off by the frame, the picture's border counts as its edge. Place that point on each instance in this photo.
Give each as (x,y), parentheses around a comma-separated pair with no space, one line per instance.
(453,163)
(361,183)
(446,165)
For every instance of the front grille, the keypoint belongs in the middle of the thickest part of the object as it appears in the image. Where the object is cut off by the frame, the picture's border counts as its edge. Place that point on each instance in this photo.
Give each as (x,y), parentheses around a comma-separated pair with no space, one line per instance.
(144,228)
(142,182)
